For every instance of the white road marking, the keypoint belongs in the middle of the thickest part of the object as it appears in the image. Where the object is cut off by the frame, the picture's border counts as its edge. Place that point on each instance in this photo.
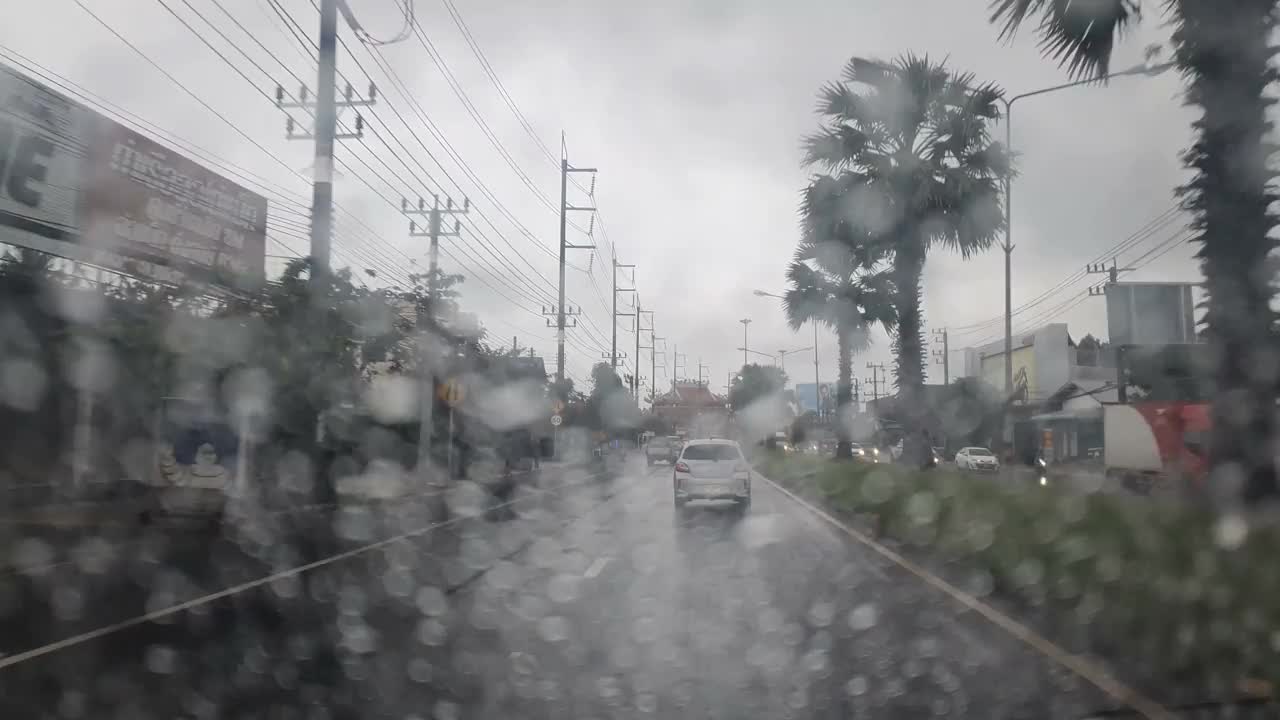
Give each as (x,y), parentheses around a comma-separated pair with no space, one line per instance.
(1090,671)
(596,567)
(11,660)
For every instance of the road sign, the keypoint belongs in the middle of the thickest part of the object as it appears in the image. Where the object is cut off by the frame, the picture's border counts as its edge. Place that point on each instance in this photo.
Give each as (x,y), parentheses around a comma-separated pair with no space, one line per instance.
(452,393)
(556,420)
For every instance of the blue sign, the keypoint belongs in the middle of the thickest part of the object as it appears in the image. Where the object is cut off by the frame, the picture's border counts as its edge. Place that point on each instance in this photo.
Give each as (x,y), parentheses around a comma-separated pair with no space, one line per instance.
(808,396)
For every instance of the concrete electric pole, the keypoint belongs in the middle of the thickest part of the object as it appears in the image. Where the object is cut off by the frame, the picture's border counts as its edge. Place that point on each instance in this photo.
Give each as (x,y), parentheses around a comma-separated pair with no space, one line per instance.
(943,357)
(614,347)
(428,343)
(565,207)
(324,131)
(877,377)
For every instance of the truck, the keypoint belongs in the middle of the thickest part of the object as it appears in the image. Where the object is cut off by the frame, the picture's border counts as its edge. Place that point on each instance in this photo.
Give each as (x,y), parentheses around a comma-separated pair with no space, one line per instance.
(1156,433)
(1153,443)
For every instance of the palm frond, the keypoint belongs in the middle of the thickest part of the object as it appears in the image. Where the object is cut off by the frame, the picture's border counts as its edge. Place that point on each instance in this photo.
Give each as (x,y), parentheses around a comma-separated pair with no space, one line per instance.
(870,72)
(1078,35)
(834,146)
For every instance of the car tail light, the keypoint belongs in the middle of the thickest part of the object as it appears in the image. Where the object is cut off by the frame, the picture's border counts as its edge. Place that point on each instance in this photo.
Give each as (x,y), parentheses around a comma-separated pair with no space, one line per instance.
(683,467)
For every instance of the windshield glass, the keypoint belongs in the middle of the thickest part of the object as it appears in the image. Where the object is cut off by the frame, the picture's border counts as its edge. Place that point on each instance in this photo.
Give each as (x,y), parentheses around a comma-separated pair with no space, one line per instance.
(711,452)
(338,338)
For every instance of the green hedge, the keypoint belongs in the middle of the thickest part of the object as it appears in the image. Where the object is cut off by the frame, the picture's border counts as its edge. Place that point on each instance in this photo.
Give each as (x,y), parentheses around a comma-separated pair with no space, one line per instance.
(1175,590)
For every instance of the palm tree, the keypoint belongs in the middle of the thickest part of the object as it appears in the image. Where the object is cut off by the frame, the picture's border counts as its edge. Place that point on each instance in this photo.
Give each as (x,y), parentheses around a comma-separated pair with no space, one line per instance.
(913,167)
(1224,53)
(831,285)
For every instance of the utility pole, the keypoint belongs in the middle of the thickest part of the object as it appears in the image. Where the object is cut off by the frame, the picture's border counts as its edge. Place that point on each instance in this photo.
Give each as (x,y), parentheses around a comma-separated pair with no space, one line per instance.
(653,363)
(1112,273)
(877,370)
(324,132)
(435,216)
(745,322)
(426,321)
(565,207)
(639,312)
(702,365)
(942,357)
(616,314)
(675,370)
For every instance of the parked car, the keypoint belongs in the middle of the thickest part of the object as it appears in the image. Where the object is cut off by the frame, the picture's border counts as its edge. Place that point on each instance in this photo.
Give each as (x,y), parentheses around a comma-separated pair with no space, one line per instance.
(712,470)
(977,458)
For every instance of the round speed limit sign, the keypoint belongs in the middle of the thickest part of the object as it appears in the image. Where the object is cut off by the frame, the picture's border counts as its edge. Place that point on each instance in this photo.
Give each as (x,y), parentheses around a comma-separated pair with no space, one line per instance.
(556,420)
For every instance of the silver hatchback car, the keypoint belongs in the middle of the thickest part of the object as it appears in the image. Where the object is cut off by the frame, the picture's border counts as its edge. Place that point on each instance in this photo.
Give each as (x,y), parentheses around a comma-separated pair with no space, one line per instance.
(712,470)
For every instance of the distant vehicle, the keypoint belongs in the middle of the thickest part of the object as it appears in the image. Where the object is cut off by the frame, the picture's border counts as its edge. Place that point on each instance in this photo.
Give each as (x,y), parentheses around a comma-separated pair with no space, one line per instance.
(977,458)
(676,442)
(858,452)
(712,470)
(658,450)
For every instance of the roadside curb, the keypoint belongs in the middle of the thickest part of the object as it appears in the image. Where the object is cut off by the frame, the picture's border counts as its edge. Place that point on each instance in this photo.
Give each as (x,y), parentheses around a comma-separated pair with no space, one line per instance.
(1082,667)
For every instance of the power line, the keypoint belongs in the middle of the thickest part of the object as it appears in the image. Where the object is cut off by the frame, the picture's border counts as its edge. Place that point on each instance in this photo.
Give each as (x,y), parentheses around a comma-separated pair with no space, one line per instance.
(1146,231)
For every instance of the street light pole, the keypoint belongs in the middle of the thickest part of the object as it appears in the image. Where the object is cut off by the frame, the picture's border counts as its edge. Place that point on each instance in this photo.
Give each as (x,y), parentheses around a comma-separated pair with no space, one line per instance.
(817,397)
(817,401)
(782,356)
(1143,69)
(745,322)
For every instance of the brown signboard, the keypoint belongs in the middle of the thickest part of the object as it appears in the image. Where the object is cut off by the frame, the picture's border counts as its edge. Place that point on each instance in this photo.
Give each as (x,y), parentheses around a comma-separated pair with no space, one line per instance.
(77,184)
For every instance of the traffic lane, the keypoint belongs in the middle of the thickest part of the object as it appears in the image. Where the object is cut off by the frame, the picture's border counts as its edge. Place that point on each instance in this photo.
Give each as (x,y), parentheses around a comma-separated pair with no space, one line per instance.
(286,643)
(57,584)
(637,608)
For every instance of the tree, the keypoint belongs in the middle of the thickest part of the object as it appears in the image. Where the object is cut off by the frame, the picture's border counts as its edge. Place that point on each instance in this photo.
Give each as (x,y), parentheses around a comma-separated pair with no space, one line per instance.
(908,143)
(1088,351)
(1225,55)
(609,405)
(830,285)
(756,383)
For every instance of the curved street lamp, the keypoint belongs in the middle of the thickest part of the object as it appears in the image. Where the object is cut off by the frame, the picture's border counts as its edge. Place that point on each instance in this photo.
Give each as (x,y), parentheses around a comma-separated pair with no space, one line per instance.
(1143,69)
(816,382)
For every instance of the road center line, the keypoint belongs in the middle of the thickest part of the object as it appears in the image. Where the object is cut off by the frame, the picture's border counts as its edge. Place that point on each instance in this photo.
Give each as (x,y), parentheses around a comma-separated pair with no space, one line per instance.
(1090,671)
(596,567)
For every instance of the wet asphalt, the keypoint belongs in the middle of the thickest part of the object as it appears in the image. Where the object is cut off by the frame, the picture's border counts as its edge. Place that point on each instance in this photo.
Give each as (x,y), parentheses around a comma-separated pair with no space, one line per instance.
(583,597)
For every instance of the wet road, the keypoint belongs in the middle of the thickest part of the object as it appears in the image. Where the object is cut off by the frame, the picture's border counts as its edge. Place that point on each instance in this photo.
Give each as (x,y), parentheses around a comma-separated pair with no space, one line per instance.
(583,598)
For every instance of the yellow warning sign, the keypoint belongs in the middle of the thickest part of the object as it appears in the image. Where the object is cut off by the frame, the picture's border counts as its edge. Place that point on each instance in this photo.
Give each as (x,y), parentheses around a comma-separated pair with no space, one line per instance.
(452,393)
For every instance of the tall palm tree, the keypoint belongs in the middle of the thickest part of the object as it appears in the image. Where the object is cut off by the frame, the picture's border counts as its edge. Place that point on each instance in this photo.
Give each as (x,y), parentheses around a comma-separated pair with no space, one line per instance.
(1224,52)
(832,286)
(913,167)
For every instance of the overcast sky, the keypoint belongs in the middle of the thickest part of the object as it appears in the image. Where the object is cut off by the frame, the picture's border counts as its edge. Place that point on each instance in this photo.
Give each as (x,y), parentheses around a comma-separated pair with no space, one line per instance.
(692,111)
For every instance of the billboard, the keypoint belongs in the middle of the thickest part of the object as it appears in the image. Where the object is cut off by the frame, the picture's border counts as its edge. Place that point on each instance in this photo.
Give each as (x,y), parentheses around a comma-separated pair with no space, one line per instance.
(1150,313)
(76,184)
(808,395)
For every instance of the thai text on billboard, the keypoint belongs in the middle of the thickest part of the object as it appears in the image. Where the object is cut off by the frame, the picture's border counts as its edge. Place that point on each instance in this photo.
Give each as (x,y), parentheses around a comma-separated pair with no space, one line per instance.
(76,184)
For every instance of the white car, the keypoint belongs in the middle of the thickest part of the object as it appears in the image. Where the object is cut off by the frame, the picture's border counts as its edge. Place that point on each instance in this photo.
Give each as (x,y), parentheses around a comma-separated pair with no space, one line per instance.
(712,470)
(977,458)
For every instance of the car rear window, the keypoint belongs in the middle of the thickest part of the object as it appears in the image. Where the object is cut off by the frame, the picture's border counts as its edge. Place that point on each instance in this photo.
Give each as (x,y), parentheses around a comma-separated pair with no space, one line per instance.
(711,452)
